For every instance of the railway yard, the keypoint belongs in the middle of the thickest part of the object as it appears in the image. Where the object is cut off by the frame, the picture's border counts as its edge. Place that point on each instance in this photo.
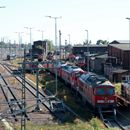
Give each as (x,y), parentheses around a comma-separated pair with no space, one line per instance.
(45,110)
(65,65)
(14,96)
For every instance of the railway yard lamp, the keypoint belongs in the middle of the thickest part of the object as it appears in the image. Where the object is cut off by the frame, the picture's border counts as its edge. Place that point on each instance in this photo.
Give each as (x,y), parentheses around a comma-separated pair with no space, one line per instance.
(42,41)
(30,29)
(65,49)
(69,38)
(20,42)
(87,52)
(1,46)
(60,43)
(129,44)
(55,18)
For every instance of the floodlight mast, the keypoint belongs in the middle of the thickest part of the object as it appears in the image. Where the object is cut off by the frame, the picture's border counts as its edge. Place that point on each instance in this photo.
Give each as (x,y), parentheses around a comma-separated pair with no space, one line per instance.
(129,44)
(55,18)
(87,52)
(30,29)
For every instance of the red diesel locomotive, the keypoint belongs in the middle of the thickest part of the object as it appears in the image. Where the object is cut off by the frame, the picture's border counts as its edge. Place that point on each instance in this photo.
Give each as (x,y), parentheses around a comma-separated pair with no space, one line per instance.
(97,90)
(94,89)
(81,62)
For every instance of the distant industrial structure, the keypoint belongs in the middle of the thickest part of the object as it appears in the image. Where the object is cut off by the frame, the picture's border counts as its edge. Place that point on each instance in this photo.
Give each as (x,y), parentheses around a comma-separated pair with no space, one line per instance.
(119,59)
(39,47)
(93,49)
(112,60)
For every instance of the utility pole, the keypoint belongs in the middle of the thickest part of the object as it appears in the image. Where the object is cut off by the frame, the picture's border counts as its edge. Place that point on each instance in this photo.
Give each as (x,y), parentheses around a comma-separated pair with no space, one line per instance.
(55,18)
(19,39)
(60,43)
(87,52)
(30,29)
(20,42)
(129,45)
(9,47)
(69,38)
(37,108)
(65,48)
(15,47)
(23,119)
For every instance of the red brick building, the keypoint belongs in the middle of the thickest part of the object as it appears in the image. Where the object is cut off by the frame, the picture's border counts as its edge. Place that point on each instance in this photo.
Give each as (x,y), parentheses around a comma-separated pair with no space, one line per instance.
(119,60)
(121,51)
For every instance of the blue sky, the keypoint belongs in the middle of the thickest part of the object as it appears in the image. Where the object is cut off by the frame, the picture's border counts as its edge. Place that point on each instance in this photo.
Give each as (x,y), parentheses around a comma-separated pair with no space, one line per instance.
(104,19)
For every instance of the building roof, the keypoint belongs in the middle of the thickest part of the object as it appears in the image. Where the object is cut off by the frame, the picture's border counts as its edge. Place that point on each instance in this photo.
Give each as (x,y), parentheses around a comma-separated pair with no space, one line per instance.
(121,46)
(102,56)
(119,71)
(92,45)
(120,41)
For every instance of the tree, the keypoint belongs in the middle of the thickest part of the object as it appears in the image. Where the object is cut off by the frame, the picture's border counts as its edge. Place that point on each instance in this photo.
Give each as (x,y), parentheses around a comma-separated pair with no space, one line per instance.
(50,45)
(105,42)
(102,42)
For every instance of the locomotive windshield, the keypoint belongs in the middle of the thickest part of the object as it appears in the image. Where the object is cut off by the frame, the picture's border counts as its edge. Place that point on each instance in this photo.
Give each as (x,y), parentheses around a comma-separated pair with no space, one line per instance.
(104,91)
(110,91)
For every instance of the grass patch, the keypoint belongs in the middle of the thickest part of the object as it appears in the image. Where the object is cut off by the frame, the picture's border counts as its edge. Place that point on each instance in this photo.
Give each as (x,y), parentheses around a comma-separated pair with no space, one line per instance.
(117,88)
(94,124)
(16,61)
(87,122)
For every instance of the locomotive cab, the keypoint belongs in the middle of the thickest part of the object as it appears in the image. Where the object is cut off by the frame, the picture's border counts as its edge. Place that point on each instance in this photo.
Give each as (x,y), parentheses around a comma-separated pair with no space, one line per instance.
(97,91)
(80,61)
(104,95)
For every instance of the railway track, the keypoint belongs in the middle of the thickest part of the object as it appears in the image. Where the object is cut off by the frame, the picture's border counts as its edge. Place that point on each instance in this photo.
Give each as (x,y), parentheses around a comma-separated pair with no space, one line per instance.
(9,104)
(14,99)
(124,118)
(109,119)
(53,104)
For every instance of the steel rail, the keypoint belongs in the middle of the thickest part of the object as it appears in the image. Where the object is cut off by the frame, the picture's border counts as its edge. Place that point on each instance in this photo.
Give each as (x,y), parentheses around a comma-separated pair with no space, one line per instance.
(20,106)
(46,101)
(110,122)
(11,109)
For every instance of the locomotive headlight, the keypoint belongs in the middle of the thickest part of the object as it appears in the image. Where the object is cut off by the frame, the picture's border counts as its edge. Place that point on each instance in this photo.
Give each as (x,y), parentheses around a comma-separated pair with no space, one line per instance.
(110,101)
(100,101)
